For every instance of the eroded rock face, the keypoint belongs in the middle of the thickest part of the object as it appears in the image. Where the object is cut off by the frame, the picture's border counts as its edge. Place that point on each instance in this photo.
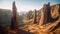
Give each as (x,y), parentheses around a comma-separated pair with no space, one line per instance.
(14,17)
(35,17)
(45,12)
(55,11)
(44,29)
(49,13)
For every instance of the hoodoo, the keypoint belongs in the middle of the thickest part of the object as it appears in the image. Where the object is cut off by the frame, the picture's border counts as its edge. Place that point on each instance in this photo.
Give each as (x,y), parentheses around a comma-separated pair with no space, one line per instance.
(14,17)
(45,14)
(35,17)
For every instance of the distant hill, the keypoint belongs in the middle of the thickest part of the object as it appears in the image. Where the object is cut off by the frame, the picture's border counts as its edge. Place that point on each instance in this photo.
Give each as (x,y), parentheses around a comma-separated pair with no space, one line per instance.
(5,17)
(22,12)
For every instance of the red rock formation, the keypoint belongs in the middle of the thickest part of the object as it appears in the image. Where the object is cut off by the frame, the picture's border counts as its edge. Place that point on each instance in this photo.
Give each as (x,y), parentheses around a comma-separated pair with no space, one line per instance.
(14,17)
(35,17)
(44,14)
(55,11)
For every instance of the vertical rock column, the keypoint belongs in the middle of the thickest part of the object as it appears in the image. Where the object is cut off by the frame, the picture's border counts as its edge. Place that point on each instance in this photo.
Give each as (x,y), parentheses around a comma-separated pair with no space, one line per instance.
(45,13)
(14,17)
(35,17)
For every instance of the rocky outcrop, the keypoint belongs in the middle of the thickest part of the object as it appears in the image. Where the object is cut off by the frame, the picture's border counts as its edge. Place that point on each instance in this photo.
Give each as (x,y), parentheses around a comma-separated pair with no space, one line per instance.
(55,10)
(48,14)
(44,29)
(35,17)
(45,11)
(14,17)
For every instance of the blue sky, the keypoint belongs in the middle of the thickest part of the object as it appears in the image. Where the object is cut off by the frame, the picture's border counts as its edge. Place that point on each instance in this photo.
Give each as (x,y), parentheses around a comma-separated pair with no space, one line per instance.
(26,5)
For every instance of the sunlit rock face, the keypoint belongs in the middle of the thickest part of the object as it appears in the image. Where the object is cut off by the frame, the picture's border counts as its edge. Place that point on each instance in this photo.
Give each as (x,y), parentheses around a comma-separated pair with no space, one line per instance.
(55,10)
(49,12)
(45,12)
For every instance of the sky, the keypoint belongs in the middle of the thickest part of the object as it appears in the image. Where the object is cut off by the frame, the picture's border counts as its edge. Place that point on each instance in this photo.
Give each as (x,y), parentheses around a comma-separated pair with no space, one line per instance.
(26,5)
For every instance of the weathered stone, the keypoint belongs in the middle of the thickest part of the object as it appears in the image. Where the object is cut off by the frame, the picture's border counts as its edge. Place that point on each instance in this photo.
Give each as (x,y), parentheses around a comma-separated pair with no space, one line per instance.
(55,11)
(45,11)
(35,17)
(14,17)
